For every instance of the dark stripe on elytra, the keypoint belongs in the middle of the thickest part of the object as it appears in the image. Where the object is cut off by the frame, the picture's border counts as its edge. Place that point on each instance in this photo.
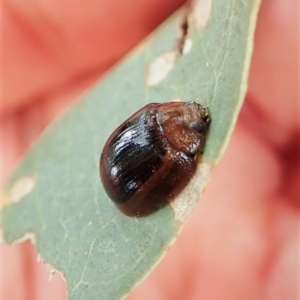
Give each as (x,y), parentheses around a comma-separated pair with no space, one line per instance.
(143,153)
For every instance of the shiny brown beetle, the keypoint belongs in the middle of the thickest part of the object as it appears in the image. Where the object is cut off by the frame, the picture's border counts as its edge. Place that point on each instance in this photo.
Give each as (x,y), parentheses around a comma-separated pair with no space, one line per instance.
(151,157)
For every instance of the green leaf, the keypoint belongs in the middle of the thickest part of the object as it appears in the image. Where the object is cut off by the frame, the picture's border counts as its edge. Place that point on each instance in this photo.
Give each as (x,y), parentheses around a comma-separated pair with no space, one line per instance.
(56,194)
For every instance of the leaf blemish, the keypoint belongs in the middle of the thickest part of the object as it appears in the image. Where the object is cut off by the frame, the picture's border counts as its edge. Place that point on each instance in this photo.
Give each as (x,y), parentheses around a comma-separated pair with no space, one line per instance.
(28,236)
(50,269)
(187,46)
(187,200)
(184,44)
(201,12)
(21,188)
(160,68)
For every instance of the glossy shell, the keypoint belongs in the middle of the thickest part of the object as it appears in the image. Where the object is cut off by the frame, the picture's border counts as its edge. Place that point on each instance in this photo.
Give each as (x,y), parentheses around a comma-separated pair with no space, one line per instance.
(151,157)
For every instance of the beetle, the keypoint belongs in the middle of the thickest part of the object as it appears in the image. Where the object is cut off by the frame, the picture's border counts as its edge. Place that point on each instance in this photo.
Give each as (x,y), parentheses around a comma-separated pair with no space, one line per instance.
(151,157)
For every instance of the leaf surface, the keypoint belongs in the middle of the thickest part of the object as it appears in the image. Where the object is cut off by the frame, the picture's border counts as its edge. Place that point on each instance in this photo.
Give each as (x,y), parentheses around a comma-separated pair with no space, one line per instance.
(56,194)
